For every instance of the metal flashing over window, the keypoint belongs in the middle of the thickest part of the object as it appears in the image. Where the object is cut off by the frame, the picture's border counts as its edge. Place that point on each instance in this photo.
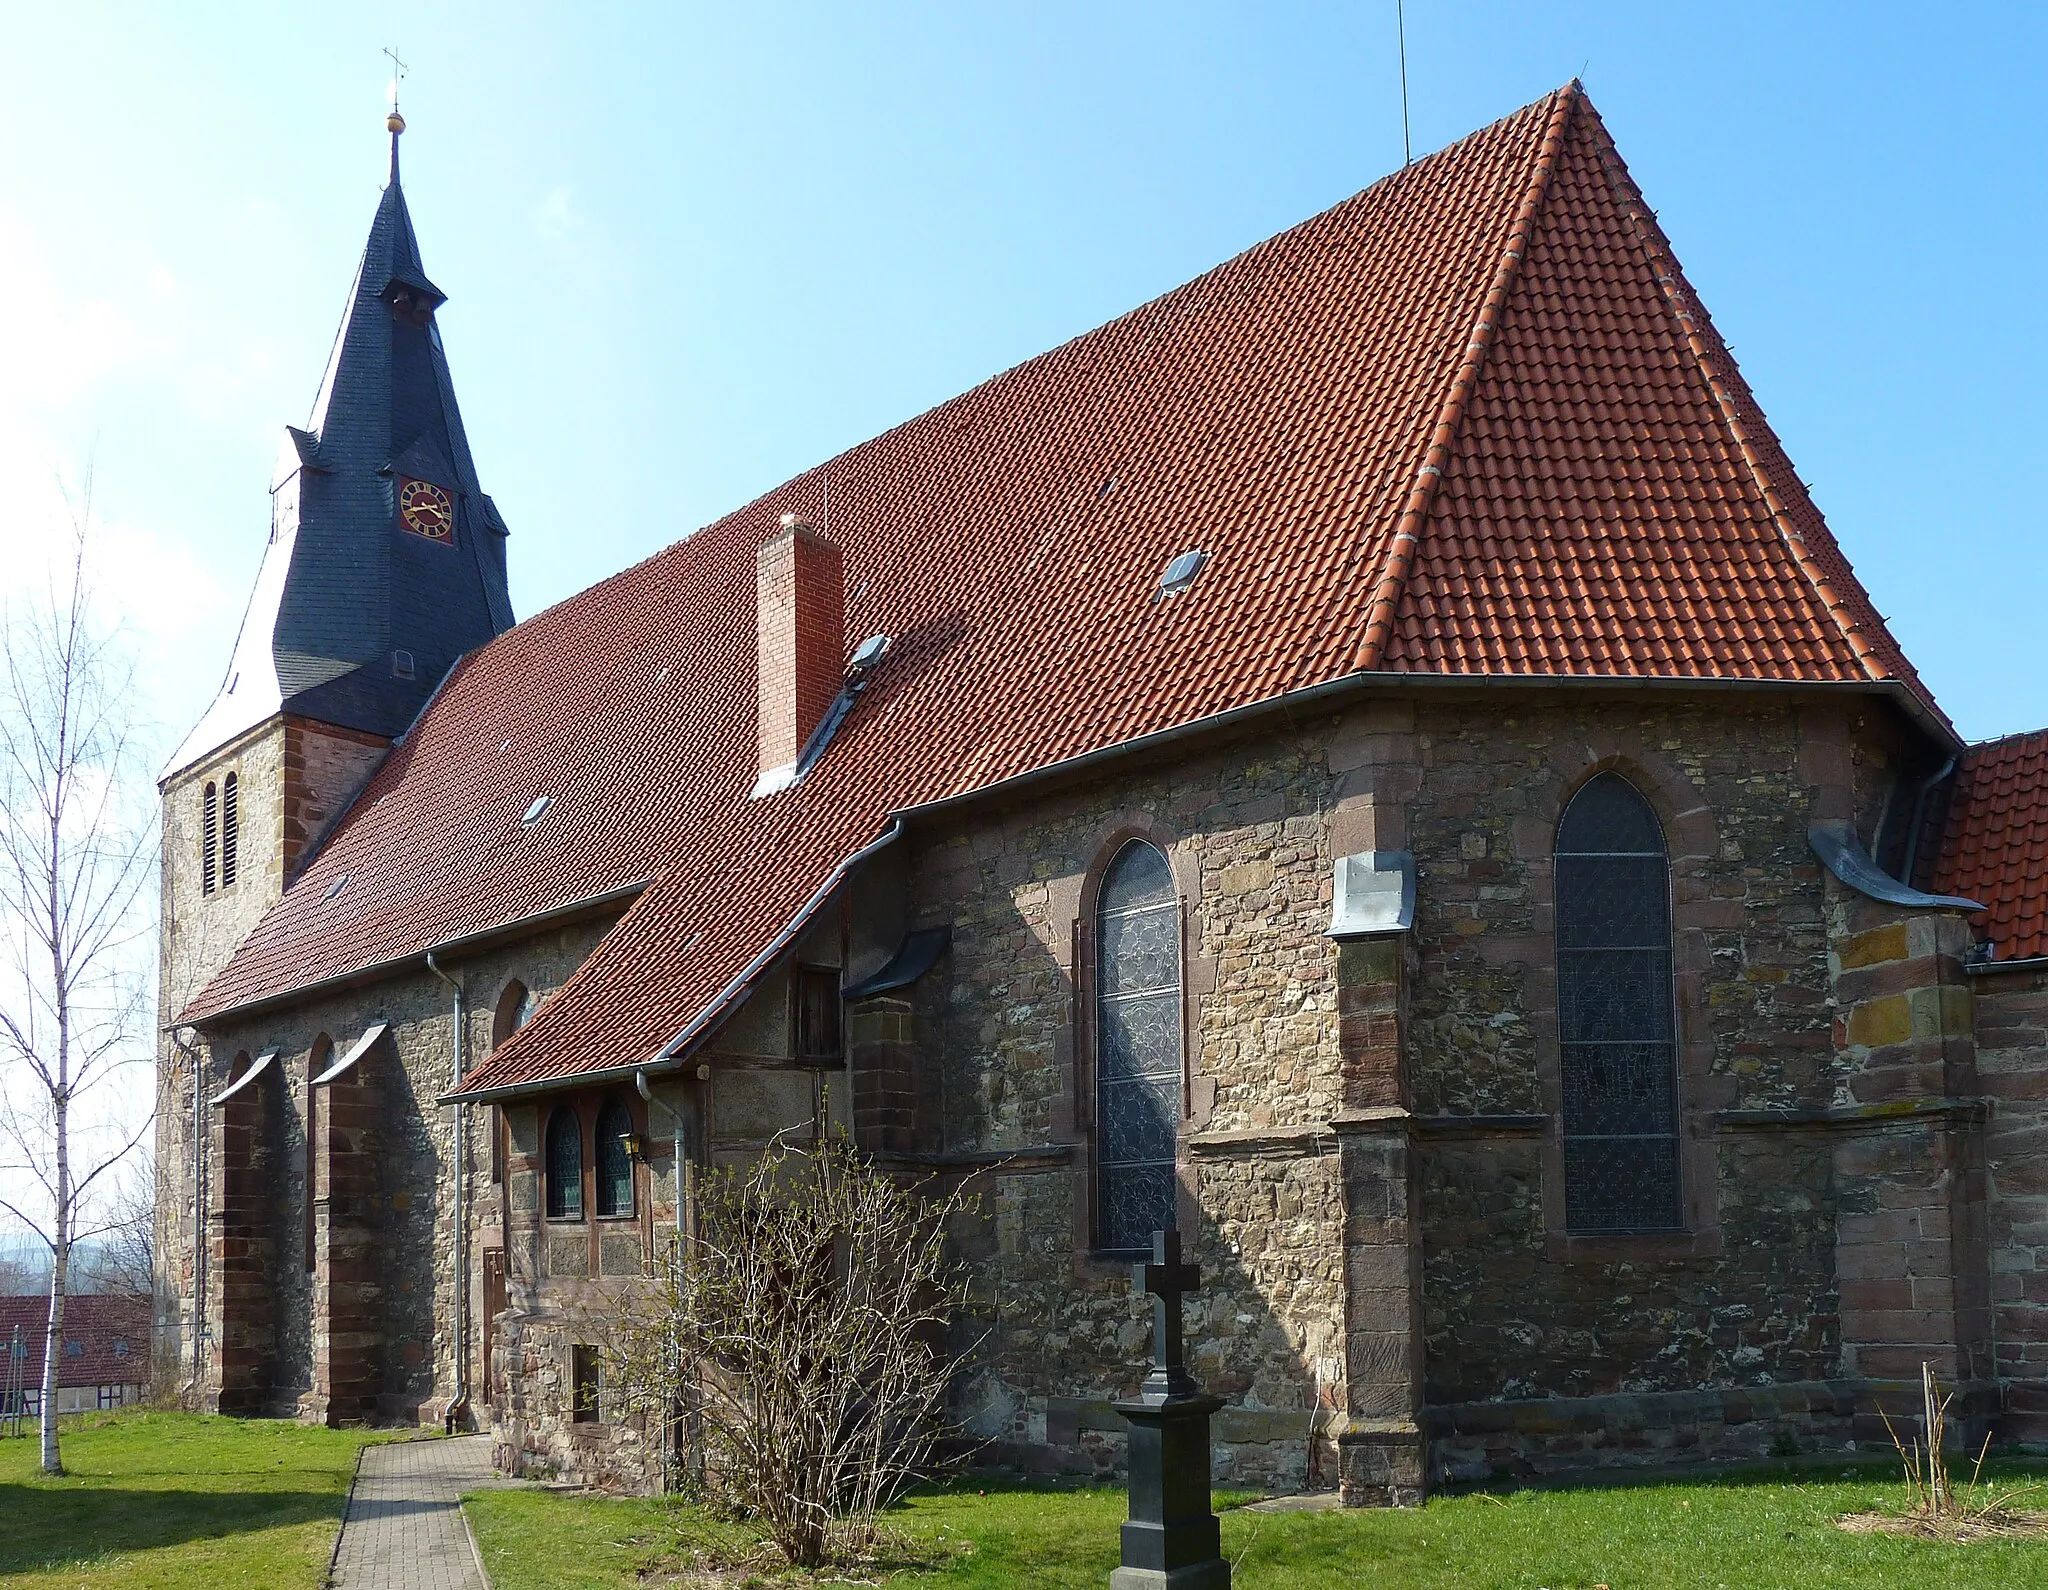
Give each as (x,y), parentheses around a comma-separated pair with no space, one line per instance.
(1374,892)
(859,671)
(1181,572)
(356,1051)
(537,810)
(257,1067)
(917,954)
(1842,853)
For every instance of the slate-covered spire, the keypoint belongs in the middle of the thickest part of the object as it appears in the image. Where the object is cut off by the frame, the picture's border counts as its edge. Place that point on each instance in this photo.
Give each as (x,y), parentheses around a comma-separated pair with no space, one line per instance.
(386,559)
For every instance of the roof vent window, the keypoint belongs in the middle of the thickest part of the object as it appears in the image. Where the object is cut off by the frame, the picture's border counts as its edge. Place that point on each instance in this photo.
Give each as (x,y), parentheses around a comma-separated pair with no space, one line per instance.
(1181,572)
(537,810)
(868,653)
(335,887)
(401,664)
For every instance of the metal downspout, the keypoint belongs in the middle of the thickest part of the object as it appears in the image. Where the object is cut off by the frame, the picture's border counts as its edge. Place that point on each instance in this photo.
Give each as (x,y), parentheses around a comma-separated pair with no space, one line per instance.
(675,1117)
(1919,811)
(460,1406)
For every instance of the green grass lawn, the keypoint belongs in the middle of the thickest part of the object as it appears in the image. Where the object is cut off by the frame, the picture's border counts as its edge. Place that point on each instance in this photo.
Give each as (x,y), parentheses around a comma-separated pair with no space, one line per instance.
(1756,1532)
(176,1501)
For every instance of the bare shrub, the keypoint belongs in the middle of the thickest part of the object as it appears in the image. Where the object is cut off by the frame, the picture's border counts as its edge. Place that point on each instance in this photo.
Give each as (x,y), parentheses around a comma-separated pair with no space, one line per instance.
(799,1339)
(1935,1509)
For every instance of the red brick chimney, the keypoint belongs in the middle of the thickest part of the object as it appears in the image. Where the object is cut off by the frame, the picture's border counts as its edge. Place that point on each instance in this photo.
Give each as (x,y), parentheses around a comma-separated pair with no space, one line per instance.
(802,609)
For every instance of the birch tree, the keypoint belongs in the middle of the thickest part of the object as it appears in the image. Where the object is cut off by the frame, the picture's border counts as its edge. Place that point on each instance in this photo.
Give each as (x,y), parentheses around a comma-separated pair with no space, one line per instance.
(77,839)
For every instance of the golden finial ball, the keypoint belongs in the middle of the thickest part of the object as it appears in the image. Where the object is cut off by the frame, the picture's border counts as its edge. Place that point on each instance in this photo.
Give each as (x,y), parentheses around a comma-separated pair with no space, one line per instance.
(394,123)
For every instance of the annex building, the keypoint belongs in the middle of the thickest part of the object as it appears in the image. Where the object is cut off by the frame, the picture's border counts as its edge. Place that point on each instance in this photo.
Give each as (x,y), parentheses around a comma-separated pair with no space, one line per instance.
(1372,758)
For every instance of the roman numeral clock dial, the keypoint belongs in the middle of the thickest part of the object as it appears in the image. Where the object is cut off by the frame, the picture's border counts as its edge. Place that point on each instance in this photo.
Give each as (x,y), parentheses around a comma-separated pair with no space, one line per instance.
(426,510)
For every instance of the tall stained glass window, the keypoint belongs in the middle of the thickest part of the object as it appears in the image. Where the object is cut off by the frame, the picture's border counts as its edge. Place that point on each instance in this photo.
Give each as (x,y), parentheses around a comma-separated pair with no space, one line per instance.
(565,1166)
(614,1165)
(1137,1048)
(1616,1034)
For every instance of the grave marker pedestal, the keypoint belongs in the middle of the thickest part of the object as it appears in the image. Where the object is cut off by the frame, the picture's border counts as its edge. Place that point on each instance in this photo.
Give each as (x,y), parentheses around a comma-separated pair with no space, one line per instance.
(1172,1541)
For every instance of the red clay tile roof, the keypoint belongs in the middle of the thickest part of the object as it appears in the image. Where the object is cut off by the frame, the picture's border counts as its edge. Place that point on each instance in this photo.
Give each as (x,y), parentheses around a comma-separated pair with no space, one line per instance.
(1466,421)
(110,1329)
(1994,842)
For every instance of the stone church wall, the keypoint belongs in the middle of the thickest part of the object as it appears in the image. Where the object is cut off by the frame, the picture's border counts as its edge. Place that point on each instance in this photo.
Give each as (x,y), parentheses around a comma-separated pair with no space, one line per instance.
(1245,832)
(1687,1332)
(412,1237)
(2012,1068)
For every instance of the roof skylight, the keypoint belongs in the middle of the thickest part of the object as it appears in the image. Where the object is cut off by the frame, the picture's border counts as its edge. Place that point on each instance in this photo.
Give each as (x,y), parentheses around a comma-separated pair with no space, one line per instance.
(335,888)
(537,810)
(1181,572)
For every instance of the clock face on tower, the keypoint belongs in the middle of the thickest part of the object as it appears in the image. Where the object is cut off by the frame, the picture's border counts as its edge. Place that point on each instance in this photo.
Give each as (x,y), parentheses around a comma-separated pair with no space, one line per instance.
(426,510)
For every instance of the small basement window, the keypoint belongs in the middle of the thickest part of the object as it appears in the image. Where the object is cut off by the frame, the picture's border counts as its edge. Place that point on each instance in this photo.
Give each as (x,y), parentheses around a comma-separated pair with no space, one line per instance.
(1181,572)
(586,1383)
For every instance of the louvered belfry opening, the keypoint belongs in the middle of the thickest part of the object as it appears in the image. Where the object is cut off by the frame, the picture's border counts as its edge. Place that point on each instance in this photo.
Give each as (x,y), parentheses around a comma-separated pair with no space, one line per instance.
(1617,1040)
(230,828)
(802,620)
(209,838)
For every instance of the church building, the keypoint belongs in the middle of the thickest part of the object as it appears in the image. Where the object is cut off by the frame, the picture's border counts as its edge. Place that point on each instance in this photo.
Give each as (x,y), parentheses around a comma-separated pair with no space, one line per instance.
(1372,759)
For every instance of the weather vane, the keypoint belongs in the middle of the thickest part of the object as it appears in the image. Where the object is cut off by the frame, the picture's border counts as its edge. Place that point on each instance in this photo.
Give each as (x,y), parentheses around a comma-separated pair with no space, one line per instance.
(398,70)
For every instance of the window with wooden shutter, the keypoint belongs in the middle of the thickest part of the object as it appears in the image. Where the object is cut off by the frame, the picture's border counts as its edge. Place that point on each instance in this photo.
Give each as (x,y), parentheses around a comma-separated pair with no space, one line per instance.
(209,838)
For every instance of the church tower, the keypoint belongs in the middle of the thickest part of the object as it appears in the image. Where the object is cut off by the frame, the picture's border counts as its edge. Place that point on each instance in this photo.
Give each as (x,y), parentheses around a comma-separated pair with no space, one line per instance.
(385,564)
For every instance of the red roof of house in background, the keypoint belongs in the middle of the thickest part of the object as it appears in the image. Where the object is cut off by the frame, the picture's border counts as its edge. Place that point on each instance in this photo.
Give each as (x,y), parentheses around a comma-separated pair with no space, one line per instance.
(1994,842)
(110,1329)
(1470,421)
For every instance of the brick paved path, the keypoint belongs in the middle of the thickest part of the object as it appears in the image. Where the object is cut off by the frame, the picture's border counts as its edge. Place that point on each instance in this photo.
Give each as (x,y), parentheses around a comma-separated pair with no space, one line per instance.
(404,1526)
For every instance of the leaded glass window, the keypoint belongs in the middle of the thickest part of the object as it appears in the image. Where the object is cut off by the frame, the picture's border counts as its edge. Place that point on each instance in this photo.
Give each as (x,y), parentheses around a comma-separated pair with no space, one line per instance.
(614,1164)
(1137,1048)
(1616,1036)
(565,1166)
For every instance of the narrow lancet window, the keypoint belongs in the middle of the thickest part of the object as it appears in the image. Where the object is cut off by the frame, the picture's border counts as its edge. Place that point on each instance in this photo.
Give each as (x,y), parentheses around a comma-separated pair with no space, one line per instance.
(209,838)
(1137,1048)
(614,1164)
(1616,1029)
(230,828)
(565,1166)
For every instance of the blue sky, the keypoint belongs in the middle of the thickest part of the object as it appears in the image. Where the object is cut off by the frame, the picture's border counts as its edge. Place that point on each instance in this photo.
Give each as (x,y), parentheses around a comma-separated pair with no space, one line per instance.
(692,250)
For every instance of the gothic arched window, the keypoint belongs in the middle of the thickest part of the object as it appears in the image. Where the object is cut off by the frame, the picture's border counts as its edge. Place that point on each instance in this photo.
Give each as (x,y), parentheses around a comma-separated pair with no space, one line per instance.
(230,828)
(1617,1039)
(614,1164)
(1137,1048)
(565,1166)
(209,838)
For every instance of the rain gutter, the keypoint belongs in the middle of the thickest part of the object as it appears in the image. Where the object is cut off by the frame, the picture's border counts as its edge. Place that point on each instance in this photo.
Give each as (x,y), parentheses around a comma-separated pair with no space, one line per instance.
(376,971)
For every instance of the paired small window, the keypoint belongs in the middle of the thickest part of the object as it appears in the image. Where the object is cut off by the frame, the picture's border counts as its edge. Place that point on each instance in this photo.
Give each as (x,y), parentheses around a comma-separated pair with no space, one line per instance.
(614,1160)
(565,1166)
(220,833)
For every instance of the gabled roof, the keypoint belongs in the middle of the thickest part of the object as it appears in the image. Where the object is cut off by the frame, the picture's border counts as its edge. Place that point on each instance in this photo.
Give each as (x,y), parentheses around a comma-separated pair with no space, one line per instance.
(1469,421)
(106,1338)
(1994,842)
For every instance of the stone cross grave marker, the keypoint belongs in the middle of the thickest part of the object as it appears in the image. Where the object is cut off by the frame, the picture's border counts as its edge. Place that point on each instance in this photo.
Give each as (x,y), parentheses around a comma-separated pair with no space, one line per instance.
(1172,1541)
